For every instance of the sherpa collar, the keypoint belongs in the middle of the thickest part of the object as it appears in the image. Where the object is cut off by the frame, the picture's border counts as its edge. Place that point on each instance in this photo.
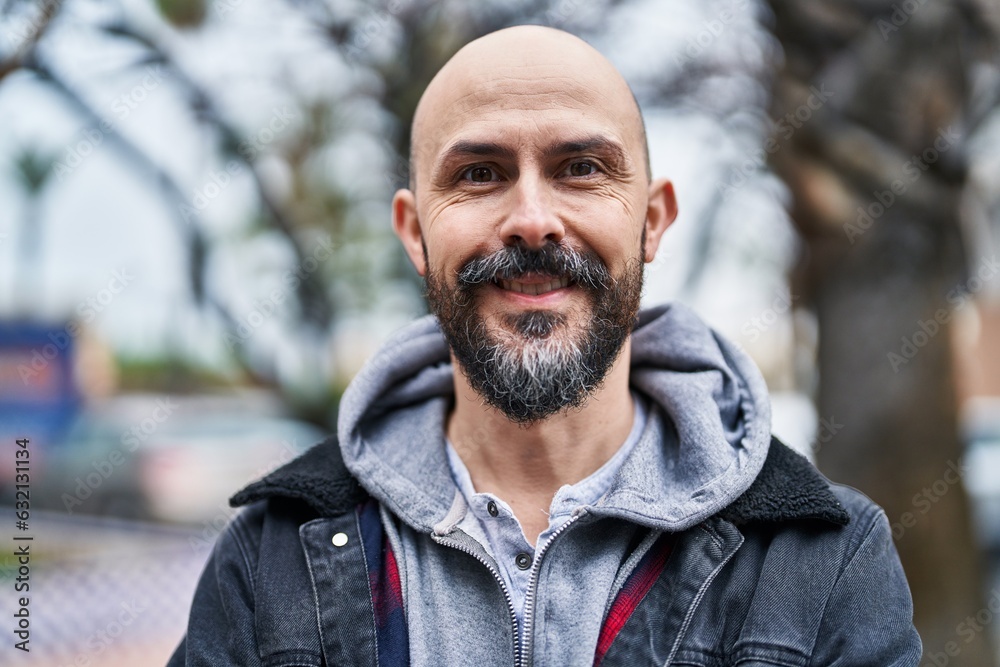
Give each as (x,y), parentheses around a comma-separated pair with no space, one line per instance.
(787,488)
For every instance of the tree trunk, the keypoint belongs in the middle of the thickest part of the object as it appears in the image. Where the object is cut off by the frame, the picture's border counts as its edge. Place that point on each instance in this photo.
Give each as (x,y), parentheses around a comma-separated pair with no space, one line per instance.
(871,108)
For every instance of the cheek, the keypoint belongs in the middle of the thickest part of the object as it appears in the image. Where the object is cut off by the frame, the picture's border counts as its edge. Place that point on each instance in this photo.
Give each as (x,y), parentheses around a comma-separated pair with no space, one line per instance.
(614,208)
(457,232)
(610,228)
(449,248)
(447,208)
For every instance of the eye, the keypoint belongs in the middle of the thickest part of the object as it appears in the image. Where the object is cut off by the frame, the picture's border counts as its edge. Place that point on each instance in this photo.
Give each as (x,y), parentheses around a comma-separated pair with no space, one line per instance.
(480,174)
(581,169)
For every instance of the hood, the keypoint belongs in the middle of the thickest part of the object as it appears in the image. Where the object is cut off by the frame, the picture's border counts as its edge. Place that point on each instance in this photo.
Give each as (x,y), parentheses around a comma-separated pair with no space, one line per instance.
(704,444)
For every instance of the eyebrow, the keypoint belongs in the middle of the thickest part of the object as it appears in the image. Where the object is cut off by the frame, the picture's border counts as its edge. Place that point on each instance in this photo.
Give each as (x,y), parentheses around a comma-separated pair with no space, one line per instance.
(462,149)
(592,144)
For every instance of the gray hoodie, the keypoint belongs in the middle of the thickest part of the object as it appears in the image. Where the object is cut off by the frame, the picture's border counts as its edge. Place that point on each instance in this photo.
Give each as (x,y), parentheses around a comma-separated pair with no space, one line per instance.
(704,443)
(683,561)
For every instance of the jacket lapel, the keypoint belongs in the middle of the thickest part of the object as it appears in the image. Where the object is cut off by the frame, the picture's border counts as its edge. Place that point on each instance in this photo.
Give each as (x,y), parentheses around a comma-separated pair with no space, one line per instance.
(285,608)
(697,557)
(334,552)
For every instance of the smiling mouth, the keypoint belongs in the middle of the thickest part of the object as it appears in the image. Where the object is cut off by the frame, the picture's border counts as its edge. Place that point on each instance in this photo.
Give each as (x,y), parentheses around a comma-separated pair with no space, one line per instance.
(534,287)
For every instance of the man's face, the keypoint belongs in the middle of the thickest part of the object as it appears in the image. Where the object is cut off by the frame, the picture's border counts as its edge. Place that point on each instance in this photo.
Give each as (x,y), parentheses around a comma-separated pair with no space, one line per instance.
(531,205)
(535,361)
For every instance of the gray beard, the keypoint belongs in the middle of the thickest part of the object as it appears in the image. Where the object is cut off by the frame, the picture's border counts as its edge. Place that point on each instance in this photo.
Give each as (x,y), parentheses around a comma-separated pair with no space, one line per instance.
(537,366)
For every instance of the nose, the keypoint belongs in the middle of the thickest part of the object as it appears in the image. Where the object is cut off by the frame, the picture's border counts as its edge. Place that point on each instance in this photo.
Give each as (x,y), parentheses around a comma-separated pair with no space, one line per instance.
(532,221)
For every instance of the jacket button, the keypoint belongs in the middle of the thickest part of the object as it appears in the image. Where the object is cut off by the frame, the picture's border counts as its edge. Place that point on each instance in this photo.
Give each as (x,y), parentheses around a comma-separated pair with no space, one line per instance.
(523,561)
(340,539)
(491,507)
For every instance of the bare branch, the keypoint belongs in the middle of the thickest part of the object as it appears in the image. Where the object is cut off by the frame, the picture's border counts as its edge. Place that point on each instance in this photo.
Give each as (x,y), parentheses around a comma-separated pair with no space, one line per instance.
(188,223)
(49,9)
(316,305)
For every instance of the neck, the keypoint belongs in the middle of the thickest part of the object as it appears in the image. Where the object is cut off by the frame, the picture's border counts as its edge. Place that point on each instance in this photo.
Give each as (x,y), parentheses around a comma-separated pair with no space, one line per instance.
(526,465)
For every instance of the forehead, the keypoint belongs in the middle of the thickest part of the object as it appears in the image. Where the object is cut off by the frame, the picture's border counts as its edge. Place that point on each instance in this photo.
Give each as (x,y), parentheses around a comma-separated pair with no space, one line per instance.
(525,99)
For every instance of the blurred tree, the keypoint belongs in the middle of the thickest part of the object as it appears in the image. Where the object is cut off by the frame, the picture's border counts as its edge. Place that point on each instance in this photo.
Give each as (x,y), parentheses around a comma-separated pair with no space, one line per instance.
(880,100)
(314,301)
(33,170)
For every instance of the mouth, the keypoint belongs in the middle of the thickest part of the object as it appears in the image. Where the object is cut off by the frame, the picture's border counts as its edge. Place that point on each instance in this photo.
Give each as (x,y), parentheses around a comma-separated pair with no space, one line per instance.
(533,286)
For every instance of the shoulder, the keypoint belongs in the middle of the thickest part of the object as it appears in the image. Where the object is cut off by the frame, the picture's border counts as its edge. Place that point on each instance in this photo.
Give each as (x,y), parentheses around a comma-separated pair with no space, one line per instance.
(792,509)
(811,532)
(788,488)
(271,510)
(842,528)
(869,524)
(239,543)
(862,509)
(319,478)
(837,569)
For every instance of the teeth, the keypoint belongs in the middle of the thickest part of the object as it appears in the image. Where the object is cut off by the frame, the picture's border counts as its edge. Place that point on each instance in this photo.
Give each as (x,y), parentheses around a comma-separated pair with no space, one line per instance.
(534,289)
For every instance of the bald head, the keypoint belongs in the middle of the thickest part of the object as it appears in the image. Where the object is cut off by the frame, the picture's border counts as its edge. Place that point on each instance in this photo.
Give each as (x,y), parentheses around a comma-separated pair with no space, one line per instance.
(528,75)
(529,141)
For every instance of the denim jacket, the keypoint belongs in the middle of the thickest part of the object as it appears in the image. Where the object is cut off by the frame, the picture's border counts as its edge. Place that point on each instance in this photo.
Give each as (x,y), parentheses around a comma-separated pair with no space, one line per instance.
(713,546)
(795,572)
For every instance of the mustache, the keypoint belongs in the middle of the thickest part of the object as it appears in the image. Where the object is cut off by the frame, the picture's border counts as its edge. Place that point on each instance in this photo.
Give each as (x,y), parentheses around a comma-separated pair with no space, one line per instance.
(555,260)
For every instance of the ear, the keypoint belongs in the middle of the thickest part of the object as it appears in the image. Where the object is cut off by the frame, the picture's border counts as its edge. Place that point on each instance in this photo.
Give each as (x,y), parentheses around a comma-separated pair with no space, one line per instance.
(660,214)
(407,228)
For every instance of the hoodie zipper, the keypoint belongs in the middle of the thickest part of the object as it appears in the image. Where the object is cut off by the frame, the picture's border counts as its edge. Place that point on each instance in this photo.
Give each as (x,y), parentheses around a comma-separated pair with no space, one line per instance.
(503,588)
(524,655)
(522,646)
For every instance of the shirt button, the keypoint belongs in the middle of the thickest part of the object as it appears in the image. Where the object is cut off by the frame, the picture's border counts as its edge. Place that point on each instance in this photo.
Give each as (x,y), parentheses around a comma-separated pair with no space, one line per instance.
(339,540)
(523,561)
(491,507)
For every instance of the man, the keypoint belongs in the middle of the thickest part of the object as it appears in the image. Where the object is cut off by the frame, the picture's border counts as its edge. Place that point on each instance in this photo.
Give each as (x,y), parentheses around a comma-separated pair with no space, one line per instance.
(539,474)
